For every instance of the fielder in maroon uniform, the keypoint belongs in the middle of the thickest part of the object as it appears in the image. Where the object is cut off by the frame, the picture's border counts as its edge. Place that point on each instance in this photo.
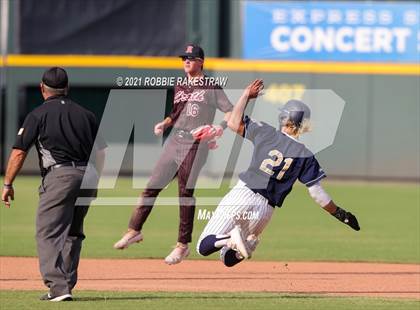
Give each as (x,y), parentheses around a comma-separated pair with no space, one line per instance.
(185,151)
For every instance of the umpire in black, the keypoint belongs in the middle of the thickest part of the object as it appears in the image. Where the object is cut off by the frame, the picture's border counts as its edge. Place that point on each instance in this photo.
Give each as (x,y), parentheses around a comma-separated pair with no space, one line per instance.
(64,134)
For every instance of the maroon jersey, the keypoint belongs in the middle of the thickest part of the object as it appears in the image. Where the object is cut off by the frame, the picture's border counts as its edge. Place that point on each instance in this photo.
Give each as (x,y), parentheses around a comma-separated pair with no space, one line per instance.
(196,106)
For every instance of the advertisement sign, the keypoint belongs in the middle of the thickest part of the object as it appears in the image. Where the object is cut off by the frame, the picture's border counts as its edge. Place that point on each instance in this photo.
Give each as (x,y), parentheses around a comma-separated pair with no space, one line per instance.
(332,31)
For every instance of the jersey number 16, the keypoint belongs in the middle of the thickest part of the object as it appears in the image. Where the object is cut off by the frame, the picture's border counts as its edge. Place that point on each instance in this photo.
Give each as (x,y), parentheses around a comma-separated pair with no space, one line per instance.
(275,163)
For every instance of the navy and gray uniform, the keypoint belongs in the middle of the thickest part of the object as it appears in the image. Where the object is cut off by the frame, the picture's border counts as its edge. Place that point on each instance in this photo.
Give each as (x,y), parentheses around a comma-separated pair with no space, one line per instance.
(278,160)
(64,134)
(182,155)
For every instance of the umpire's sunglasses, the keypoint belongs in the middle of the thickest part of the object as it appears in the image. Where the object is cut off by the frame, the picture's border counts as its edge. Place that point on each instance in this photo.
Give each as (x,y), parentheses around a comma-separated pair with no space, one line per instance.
(190,58)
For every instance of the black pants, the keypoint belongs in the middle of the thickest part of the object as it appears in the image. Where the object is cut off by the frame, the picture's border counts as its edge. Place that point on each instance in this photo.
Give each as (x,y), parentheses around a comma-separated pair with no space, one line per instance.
(183,158)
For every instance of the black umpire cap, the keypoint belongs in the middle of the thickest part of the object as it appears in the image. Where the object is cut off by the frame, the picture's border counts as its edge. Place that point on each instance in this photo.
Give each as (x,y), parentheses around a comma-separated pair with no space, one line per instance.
(55,77)
(193,50)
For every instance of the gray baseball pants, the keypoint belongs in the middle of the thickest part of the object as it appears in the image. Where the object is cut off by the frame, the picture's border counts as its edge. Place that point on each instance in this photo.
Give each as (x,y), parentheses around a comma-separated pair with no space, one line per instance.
(59,228)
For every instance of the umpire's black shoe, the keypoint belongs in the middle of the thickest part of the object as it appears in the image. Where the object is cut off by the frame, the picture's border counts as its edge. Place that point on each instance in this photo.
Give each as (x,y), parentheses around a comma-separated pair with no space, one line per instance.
(48,296)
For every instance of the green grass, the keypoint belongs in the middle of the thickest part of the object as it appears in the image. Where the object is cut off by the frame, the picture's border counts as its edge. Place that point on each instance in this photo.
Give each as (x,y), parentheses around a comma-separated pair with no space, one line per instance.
(389,215)
(185,301)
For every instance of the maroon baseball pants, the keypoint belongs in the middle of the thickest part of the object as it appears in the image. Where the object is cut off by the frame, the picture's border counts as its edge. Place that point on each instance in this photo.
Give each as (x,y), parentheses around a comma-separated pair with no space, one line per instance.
(181,157)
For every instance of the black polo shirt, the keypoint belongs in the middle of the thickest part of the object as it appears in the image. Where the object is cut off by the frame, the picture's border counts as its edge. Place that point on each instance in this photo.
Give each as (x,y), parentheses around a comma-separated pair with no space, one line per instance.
(62,131)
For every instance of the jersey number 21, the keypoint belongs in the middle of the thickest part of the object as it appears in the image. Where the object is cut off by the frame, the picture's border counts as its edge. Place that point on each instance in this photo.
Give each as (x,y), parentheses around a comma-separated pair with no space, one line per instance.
(275,163)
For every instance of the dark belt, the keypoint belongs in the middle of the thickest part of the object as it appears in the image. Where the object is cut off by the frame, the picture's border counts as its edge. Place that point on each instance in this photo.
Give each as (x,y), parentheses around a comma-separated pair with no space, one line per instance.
(75,164)
(183,134)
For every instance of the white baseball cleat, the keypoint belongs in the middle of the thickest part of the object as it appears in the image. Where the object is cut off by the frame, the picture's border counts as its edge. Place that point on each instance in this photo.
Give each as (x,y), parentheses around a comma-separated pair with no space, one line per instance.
(130,237)
(237,243)
(180,252)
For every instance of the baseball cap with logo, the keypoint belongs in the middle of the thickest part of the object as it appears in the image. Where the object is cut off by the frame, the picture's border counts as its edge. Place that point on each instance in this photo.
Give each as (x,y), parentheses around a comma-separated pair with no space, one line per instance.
(55,77)
(192,50)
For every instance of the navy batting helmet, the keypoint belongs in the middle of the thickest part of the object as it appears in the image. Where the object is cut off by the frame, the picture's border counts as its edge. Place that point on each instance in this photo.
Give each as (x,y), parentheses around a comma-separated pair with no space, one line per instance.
(295,111)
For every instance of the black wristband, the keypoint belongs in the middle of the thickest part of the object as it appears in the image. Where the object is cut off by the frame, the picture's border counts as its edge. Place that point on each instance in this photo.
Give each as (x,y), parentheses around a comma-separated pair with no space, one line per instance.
(8,186)
(223,124)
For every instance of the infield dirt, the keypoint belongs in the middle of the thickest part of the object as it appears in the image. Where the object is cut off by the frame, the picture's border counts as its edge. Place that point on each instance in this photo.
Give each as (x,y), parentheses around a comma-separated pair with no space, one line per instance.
(320,278)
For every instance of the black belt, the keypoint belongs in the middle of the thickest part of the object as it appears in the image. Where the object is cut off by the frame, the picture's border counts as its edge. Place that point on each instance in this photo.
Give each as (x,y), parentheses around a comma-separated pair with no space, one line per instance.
(75,164)
(183,133)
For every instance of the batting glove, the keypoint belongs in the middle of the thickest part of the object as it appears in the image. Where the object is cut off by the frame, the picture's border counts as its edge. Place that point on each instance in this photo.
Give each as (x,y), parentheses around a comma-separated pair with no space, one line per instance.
(207,132)
(347,218)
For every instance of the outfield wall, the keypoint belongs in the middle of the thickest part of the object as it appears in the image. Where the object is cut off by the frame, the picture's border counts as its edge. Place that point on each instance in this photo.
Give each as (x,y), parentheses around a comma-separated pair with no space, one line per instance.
(378,136)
